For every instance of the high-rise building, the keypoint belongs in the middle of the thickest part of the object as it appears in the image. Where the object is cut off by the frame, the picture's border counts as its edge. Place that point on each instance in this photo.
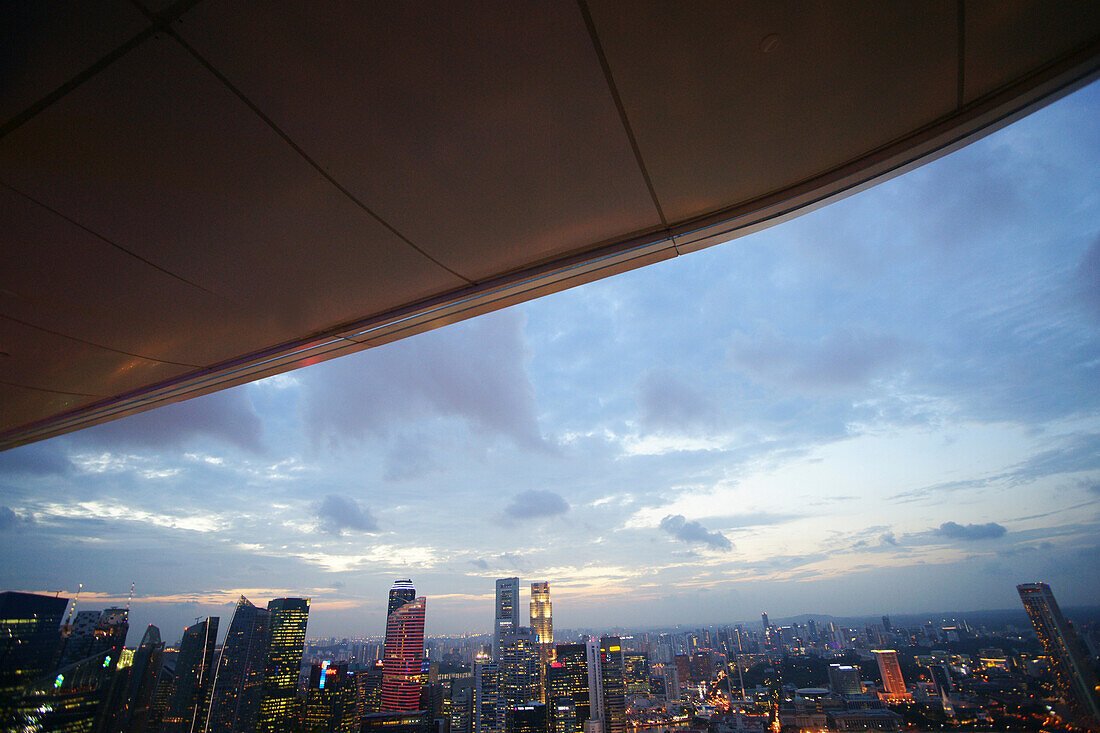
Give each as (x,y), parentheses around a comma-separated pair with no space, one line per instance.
(194,673)
(401,592)
(595,721)
(282,664)
(403,658)
(764,620)
(636,674)
(488,711)
(330,700)
(614,688)
(518,666)
(368,684)
(238,681)
(29,634)
(527,718)
(567,677)
(563,716)
(888,667)
(541,620)
(143,681)
(506,610)
(1069,661)
(845,679)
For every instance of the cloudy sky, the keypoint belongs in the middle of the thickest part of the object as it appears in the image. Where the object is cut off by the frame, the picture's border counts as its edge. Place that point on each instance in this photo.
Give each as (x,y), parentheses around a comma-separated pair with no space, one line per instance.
(888,405)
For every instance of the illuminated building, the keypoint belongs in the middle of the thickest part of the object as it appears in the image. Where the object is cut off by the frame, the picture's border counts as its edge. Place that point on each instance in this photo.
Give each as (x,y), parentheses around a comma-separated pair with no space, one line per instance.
(191,689)
(506,610)
(518,666)
(403,657)
(286,639)
(764,620)
(368,684)
(567,677)
(845,680)
(401,592)
(540,612)
(671,678)
(890,670)
(29,633)
(636,674)
(614,689)
(527,718)
(563,716)
(1069,661)
(239,678)
(330,700)
(142,684)
(488,712)
(162,697)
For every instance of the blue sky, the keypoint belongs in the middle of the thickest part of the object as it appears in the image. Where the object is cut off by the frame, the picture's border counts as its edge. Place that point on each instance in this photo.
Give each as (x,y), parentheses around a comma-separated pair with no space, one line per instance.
(888,405)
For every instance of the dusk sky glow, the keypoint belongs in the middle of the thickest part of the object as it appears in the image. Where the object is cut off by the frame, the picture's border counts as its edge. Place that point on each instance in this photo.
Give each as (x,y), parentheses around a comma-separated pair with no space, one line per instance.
(888,405)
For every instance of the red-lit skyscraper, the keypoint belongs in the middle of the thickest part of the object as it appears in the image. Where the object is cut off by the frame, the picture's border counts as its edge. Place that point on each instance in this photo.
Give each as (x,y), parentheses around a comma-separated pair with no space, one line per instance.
(402,660)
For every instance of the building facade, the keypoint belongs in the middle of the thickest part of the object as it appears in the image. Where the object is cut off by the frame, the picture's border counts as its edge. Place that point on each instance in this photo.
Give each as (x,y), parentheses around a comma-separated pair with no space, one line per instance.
(506,610)
(282,664)
(403,657)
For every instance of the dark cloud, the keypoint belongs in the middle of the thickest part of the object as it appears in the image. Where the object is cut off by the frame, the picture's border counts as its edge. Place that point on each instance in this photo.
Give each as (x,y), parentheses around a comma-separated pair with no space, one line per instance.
(474,371)
(1080,452)
(694,533)
(227,416)
(342,513)
(9,520)
(841,359)
(479,564)
(888,538)
(40,459)
(535,504)
(955,531)
(669,402)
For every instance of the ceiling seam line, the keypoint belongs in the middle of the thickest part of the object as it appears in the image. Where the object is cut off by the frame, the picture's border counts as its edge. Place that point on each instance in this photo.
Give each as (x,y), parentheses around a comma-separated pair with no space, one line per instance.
(95,345)
(30,112)
(104,239)
(51,391)
(590,24)
(303,154)
(960,72)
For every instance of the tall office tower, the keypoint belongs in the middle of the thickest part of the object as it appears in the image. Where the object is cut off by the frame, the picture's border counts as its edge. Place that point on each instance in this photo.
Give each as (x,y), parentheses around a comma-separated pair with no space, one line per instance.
(403,658)
(238,682)
(540,612)
(671,677)
(488,711)
(886,624)
(636,674)
(845,680)
(506,612)
(890,670)
(526,718)
(614,689)
(567,676)
(77,637)
(282,664)
(518,666)
(764,620)
(143,681)
(29,635)
(110,635)
(595,721)
(401,592)
(461,715)
(194,673)
(330,700)
(1069,661)
(369,688)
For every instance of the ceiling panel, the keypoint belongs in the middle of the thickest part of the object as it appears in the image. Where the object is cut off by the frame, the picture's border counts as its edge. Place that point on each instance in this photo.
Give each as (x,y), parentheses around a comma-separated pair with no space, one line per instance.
(731,101)
(482,131)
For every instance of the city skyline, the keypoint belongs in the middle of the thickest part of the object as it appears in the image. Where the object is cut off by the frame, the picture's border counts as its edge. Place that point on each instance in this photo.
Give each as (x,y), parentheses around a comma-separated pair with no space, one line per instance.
(898,391)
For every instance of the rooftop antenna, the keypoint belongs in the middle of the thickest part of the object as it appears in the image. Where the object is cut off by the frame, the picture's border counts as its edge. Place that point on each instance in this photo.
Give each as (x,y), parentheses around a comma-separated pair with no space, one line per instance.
(130,599)
(80,587)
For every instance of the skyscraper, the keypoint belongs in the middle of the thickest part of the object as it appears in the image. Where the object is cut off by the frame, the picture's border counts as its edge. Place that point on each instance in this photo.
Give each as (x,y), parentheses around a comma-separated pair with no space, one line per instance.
(890,670)
(191,690)
(488,711)
(506,614)
(764,620)
(595,719)
(283,662)
(143,680)
(518,666)
(402,660)
(29,633)
(1069,661)
(845,679)
(614,687)
(567,677)
(401,593)
(238,680)
(541,620)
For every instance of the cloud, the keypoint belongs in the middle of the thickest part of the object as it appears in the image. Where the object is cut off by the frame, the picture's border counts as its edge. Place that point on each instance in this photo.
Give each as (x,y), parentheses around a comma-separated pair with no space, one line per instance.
(227,416)
(694,533)
(474,371)
(970,532)
(888,538)
(846,358)
(479,564)
(534,504)
(339,513)
(40,459)
(9,520)
(669,402)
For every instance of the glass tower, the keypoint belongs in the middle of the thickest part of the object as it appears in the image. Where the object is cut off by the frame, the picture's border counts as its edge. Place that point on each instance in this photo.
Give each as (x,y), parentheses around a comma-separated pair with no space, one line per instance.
(239,677)
(401,593)
(540,612)
(567,677)
(518,666)
(402,660)
(191,691)
(614,687)
(279,695)
(506,614)
(1069,661)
